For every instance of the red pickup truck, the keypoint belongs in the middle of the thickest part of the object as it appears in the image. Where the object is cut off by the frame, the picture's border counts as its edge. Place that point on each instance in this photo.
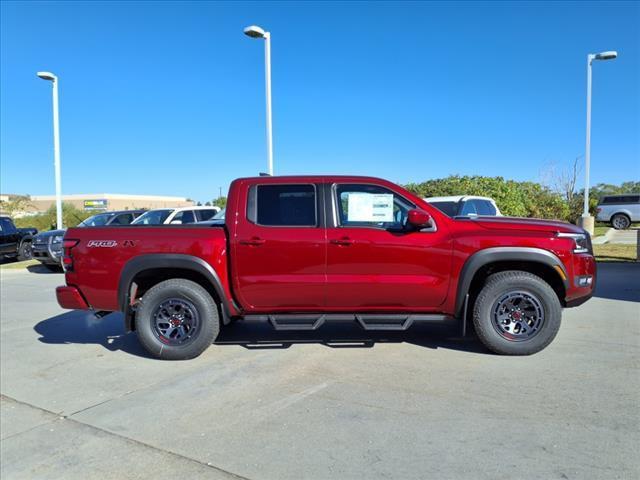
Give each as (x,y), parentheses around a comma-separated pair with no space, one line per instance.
(300,251)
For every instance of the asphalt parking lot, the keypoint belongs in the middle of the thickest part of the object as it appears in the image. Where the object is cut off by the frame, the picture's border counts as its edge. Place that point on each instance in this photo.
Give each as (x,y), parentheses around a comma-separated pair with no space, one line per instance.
(80,399)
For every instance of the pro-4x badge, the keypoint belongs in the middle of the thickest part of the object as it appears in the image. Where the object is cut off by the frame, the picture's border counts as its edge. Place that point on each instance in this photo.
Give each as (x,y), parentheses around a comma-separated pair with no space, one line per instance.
(102,243)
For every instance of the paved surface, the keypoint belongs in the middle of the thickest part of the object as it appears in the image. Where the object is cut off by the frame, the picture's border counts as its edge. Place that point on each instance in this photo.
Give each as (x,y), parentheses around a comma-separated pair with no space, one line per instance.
(628,237)
(81,400)
(625,237)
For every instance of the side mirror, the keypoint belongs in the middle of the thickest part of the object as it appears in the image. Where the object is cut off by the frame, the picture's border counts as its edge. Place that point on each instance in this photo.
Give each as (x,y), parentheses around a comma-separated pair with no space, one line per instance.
(418,218)
(176,222)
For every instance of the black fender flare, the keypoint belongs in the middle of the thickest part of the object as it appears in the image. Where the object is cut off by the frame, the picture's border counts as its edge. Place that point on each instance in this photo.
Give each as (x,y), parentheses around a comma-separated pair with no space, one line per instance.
(25,238)
(500,254)
(167,260)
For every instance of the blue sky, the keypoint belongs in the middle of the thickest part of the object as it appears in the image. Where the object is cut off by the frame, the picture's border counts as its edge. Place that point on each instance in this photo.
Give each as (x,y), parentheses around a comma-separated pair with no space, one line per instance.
(168,97)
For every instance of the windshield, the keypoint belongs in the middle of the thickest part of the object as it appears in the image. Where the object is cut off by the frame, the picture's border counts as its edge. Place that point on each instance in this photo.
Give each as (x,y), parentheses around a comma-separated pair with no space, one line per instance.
(96,220)
(152,217)
(448,208)
(219,215)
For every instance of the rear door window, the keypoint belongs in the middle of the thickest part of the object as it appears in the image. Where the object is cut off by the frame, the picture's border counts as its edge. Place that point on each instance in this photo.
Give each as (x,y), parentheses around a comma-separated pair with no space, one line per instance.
(484,207)
(469,208)
(206,214)
(123,219)
(186,216)
(283,205)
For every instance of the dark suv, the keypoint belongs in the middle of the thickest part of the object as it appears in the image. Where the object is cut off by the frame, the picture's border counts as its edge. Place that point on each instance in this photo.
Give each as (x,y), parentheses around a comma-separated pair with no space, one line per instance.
(15,242)
(47,246)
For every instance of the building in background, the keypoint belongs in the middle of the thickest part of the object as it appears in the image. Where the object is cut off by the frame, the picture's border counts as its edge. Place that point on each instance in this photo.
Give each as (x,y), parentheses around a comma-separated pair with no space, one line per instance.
(108,201)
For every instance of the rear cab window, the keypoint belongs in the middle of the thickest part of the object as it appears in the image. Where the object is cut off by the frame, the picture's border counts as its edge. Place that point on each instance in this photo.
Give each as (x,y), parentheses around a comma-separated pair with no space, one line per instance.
(283,205)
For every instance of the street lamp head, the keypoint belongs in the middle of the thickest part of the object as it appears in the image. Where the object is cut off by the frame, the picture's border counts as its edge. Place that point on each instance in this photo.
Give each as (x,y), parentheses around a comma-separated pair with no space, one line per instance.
(254,32)
(610,55)
(47,76)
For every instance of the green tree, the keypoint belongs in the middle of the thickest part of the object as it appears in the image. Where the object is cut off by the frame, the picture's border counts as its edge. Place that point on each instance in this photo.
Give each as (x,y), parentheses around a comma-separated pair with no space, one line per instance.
(519,199)
(220,202)
(71,217)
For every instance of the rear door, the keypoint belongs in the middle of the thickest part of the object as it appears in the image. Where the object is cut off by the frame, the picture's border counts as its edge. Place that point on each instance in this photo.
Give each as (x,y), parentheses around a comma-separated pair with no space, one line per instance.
(373,262)
(279,248)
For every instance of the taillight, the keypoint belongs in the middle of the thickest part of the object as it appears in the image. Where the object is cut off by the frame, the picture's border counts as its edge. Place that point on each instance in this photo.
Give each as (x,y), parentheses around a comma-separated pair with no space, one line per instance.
(67,258)
(598,210)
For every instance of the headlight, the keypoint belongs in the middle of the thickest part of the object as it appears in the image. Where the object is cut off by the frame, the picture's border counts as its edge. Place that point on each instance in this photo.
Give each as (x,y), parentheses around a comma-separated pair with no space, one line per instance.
(57,239)
(582,241)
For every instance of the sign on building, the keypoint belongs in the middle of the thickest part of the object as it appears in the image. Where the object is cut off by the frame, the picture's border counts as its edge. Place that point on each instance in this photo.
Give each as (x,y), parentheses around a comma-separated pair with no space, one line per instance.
(95,204)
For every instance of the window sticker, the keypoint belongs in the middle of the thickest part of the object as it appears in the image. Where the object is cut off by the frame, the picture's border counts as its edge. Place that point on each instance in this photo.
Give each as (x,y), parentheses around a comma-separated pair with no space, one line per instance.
(368,207)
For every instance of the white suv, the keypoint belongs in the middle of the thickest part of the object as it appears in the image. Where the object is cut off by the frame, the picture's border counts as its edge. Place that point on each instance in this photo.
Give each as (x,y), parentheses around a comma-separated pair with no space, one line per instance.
(465,205)
(619,210)
(176,216)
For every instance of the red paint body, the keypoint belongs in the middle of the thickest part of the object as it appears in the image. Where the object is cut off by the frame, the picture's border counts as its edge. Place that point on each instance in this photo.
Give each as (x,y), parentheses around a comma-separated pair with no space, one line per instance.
(319,269)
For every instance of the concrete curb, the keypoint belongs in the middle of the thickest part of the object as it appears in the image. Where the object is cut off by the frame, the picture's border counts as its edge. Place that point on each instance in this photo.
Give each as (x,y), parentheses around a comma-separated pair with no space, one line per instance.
(602,239)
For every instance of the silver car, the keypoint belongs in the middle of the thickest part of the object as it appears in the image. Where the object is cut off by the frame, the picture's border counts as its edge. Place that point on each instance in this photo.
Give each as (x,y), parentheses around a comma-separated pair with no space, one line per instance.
(619,210)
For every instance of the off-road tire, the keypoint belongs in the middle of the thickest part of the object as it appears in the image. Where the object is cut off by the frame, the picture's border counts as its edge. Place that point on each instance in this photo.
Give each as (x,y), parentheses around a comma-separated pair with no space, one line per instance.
(180,290)
(25,252)
(505,283)
(620,221)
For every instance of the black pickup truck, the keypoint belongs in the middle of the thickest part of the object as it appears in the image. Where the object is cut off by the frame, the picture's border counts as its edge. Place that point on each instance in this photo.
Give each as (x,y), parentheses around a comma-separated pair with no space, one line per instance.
(15,242)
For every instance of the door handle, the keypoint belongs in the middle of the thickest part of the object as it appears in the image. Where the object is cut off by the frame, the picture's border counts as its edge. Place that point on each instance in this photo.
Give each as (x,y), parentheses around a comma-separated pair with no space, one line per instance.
(344,241)
(253,242)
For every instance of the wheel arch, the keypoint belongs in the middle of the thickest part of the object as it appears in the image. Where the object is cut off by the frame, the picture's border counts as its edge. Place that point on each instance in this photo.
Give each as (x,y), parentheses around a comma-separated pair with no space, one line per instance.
(626,213)
(538,261)
(144,271)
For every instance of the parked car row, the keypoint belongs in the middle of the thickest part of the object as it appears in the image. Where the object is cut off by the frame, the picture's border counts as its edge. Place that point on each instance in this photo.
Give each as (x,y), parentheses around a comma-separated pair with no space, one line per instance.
(47,246)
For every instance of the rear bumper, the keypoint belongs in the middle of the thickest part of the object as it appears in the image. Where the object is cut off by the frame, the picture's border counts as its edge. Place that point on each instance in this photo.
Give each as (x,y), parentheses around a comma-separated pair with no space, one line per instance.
(71,298)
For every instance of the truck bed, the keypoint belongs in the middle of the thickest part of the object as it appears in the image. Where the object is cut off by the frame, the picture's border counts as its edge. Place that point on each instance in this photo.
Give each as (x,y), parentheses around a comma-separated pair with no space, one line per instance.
(102,253)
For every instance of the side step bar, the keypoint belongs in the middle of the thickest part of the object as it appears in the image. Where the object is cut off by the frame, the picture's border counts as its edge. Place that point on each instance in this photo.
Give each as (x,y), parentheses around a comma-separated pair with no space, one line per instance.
(370,321)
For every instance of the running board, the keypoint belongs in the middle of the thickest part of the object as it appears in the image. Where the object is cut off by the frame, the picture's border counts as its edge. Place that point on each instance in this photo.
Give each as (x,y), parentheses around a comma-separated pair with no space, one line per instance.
(368,321)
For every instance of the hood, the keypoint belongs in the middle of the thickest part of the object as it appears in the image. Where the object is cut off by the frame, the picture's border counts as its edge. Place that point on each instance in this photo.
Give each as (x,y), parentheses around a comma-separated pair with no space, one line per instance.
(530,224)
(51,233)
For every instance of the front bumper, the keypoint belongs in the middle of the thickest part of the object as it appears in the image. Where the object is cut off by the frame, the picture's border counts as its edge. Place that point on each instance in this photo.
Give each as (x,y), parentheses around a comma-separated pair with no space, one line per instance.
(584,267)
(47,253)
(69,297)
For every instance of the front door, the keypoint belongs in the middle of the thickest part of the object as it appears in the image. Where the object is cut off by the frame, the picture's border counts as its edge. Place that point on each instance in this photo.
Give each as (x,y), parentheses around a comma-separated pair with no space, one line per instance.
(374,263)
(279,249)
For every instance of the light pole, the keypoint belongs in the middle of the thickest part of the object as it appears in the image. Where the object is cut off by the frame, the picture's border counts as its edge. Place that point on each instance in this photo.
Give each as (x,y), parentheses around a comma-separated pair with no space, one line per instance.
(587,221)
(56,145)
(256,32)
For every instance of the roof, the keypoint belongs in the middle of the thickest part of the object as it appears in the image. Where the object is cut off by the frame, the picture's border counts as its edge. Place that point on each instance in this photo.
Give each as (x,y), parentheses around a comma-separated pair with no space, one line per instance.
(314,178)
(456,198)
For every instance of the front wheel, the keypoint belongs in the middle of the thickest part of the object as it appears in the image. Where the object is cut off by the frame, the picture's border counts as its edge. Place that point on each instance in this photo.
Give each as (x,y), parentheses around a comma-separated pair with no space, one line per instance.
(25,252)
(516,313)
(177,319)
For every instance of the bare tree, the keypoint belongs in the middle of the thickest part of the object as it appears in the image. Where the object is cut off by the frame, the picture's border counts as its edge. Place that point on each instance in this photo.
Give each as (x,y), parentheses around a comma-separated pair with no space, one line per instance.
(562,180)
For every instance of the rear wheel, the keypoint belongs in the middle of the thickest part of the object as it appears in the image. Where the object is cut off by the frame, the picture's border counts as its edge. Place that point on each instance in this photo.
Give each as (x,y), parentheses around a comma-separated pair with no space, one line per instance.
(620,221)
(516,313)
(177,319)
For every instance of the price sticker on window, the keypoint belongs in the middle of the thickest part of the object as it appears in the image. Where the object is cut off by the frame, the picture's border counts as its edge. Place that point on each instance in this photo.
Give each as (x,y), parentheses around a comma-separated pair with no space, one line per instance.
(368,207)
